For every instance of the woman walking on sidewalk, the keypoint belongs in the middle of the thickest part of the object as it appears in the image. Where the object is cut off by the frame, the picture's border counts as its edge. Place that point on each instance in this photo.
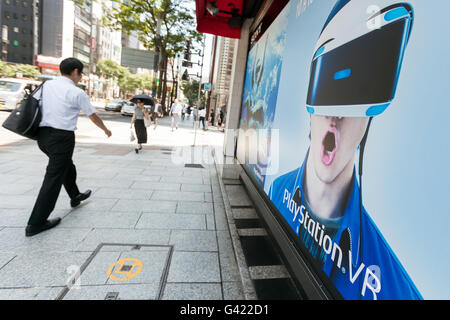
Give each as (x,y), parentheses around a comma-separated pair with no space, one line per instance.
(140,113)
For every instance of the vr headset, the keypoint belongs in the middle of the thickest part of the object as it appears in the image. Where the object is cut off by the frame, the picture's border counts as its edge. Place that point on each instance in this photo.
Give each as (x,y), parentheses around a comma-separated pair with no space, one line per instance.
(357,61)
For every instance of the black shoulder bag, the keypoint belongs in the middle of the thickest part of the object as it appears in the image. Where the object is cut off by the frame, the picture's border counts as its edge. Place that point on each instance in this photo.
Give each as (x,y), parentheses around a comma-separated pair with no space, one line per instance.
(25,119)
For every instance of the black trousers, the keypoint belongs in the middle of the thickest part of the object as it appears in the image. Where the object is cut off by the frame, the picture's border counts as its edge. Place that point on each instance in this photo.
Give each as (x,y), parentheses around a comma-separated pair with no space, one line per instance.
(58,145)
(141,131)
(202,120)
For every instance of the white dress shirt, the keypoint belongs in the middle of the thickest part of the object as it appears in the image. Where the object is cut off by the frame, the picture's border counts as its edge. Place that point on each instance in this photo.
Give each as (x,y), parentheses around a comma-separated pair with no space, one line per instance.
(177,108)
(61,104)
(202,113)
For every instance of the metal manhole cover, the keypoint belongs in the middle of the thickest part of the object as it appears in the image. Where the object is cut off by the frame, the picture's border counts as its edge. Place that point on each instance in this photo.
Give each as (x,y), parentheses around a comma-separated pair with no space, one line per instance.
(124,269)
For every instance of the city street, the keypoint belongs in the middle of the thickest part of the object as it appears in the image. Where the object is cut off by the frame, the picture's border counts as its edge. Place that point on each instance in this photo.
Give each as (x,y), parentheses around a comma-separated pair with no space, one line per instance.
(152,229)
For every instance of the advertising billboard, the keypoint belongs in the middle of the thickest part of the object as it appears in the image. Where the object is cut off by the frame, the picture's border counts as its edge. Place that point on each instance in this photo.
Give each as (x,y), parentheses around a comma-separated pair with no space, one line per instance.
(344,129)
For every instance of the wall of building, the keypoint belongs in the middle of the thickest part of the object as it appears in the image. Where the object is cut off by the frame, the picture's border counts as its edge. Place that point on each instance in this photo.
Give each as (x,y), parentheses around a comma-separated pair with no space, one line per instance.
(18,18)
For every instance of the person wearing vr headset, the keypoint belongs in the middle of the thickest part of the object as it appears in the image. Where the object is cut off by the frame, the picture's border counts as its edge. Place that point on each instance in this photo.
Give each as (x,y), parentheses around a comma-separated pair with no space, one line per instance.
(354,74)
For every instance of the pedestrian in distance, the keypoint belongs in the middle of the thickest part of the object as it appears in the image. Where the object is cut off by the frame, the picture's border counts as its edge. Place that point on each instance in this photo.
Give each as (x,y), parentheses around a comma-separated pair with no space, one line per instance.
(202,115)
(156,112)
(183,111)
(139,124)
(61,102)
(221,119)
(195,114)
(175,113)
(212,118)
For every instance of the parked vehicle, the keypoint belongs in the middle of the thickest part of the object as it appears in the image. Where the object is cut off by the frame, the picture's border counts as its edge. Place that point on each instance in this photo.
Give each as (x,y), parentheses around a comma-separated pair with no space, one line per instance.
(115,105)
(128,108)
(12,91)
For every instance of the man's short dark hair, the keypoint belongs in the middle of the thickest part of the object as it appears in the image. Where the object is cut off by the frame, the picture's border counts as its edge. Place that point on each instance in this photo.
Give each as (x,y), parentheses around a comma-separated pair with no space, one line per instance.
(68,65)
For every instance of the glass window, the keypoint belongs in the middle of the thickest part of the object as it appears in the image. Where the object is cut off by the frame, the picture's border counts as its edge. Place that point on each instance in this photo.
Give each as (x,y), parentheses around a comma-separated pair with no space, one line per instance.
(9,86)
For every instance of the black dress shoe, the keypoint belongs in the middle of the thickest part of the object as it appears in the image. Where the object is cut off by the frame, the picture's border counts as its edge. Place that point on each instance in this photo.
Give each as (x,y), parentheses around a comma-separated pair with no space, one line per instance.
(31,230)
(75,202)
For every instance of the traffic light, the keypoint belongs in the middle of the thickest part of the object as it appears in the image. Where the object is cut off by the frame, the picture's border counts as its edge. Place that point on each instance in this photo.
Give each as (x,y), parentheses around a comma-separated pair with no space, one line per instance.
(185,76)
(187,50)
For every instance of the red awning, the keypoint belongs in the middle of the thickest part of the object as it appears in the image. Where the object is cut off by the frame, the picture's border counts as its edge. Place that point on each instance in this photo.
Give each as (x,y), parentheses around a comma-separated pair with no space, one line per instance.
(218,25)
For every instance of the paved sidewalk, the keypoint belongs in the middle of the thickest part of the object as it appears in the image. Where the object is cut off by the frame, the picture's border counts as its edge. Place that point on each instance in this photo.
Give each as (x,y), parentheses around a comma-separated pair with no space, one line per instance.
(152,229)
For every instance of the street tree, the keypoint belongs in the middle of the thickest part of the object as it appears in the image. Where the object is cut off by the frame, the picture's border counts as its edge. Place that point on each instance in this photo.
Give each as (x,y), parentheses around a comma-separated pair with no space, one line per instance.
(11,70)
(111,71)
(161,25)
(190,91)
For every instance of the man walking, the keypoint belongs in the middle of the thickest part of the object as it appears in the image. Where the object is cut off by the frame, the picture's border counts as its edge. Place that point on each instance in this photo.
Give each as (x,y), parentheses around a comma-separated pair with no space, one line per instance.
(61,103)
(175,112)
(202,115)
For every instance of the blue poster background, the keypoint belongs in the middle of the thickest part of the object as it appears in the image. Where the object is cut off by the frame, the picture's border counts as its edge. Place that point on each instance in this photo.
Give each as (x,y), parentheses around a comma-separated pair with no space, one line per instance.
(406,161)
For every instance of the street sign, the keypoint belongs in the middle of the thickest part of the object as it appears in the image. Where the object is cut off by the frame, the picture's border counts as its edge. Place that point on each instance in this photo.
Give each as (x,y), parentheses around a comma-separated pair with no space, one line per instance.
(134,58)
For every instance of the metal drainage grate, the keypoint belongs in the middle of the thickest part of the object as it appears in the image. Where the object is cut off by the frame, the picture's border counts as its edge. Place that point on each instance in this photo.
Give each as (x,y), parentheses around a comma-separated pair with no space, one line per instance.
(112,296)
(126,268)
(193,165)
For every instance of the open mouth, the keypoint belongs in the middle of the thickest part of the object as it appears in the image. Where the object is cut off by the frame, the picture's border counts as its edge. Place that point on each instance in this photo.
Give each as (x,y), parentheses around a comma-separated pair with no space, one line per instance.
(329,146)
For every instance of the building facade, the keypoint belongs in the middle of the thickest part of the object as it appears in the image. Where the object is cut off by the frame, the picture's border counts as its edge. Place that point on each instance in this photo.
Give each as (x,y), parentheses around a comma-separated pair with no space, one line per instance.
(65,30)
(222,72)
(18,22)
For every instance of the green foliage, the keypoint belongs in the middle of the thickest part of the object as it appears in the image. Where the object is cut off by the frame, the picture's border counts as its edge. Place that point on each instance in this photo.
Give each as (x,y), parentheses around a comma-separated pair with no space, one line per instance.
(11,70)
(190,91)
(109,69)
(176,23)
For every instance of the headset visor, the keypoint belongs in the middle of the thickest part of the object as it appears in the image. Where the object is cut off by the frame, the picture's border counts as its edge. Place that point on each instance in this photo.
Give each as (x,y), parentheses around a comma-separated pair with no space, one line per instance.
(361,72)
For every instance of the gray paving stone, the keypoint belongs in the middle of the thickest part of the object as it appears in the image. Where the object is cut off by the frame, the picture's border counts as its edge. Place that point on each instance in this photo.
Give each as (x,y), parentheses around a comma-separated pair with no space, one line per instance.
(139,177)
(124,236)
(178,196)
(17,201)
(93,203)
(150,220)
(210,222)
(182,180)
(6,258)
(126,292)
(122,193)
(237,195)
(232,291)
(40,269)
(194,267)
(268,272)
(109,183)
(57,239)
(145,205)
(194,240)
(19,217)
(161,186)
(100,219)
(20,294)
(244,213)
(193,291)
(195,207)
(196,187)
(14,189)
(163,172)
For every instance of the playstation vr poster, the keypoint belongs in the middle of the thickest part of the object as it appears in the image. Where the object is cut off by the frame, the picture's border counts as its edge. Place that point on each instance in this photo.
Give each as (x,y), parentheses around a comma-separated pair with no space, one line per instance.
(352,99)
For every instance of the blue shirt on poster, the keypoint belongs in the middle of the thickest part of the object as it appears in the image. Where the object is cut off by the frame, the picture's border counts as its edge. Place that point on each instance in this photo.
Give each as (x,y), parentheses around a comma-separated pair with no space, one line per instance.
(356,258)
